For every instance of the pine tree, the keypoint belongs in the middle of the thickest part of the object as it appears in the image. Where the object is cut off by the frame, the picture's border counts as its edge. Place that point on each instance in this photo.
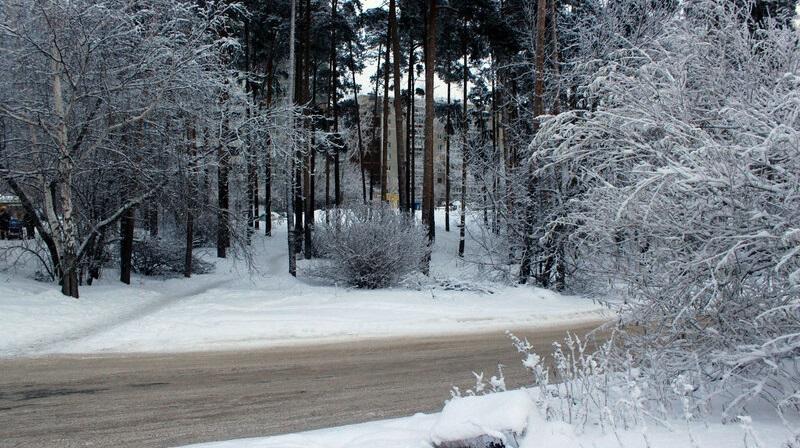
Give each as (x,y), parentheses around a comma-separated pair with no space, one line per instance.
(430,68)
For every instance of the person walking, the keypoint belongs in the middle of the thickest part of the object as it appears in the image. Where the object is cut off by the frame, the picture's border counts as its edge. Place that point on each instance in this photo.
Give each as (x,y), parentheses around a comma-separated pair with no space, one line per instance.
(30,226)
(5,220)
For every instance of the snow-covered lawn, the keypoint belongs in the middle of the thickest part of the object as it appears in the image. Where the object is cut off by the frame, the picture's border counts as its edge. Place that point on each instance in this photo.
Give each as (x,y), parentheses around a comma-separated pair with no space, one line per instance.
(232,308)
(515,412)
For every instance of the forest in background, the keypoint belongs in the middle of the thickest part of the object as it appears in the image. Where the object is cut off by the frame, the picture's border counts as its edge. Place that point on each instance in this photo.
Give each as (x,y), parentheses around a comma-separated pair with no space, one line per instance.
(648,149)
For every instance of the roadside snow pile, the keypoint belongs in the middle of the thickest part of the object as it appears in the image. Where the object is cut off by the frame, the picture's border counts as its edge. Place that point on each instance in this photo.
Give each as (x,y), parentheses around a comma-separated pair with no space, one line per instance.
(482,420)
(507,413)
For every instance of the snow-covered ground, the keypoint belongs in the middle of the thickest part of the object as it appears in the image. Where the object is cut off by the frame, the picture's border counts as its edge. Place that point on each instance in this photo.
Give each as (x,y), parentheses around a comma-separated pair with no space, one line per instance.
(233,308)
(514,412)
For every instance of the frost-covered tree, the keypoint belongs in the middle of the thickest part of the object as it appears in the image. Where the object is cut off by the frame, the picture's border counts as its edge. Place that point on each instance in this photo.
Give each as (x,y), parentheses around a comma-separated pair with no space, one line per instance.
(102,84)
(681,188)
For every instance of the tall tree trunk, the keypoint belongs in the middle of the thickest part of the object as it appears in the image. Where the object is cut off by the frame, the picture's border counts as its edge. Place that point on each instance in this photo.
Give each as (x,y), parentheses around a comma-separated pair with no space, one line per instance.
(302,167)
(290,235)
(126,225)
(538,111)
(376,123)
(409,124)
(96,257)
(67,232)
(510,147)
(268,188)
(151,219)
(331,94)
(252,174)
(560,237)
(556,68)
(385,145)
(464,128)
(190,205)
(268,153)
(398,108)
(252,213)
(448,127)
(337,191)
(413,159)
(327,186)
(311,175)
(430,68)
(358,123)
(495,155)
(256,198)
(223,231)
(187,255)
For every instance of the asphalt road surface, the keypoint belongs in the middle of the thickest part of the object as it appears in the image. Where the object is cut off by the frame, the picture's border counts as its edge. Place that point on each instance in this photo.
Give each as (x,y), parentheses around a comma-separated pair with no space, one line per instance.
(165,400)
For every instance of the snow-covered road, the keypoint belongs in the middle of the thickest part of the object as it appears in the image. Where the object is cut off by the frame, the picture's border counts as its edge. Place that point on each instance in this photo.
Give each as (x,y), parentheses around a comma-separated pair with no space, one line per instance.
(159,400)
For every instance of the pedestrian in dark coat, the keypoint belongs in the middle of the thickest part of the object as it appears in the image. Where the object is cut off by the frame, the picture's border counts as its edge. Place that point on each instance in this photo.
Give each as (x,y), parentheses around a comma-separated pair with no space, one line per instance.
(30,226)
(5,219)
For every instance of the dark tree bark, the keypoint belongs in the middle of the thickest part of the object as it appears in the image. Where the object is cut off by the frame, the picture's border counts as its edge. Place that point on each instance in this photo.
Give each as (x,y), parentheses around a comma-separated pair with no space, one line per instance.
(311,176)
(409,123)
(302,98)
(398,107)
(430,67)
(126,225)
(448,127)
(290,184)
(376,123)
(190,203)
(69,278)
(495,155)
(464,128)
(385,146)
(268,188)
(223,230)
(538,110)
(268,153)
(413,159)
(252,173)
(561,266)
(337,189)
(187,257)
(327,187)
(152,219)
(358,124)
(96,257)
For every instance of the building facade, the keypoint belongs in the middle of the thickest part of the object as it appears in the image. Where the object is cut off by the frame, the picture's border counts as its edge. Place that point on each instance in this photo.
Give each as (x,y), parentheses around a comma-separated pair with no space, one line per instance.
(417,153)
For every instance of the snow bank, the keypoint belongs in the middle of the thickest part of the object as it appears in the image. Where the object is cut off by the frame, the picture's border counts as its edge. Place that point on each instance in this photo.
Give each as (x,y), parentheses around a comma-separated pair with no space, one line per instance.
(408,432)
(235,309)
(500,416)
(497,414)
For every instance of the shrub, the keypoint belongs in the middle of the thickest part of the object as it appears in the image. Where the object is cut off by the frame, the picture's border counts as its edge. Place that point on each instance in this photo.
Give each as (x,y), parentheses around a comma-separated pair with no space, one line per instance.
(371,247)
(157,257)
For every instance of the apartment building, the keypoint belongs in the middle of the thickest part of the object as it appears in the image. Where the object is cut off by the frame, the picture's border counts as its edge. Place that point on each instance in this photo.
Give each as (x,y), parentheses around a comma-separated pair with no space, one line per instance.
(367,107)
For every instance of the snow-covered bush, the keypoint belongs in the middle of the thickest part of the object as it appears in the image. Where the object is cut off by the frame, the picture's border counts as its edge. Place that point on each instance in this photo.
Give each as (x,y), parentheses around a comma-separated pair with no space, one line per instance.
(582,386)
(369,247)
(686,190)
(159,257)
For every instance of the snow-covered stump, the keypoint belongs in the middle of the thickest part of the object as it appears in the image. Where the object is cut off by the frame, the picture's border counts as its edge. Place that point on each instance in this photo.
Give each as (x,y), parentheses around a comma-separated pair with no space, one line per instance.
(508,440)
(488,421)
